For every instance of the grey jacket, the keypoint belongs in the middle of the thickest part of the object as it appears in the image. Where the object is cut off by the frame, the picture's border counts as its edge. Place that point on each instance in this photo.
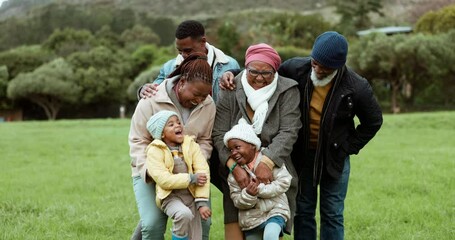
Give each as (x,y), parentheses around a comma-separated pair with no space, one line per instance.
(279,131)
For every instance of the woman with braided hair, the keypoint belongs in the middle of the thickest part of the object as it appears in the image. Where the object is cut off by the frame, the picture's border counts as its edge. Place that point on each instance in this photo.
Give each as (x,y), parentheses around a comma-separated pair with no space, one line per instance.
(186,91)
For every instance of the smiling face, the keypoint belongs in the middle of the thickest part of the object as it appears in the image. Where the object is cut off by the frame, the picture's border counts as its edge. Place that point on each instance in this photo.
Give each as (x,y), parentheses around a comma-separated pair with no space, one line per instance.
(193,93)
(259,74)
(173,132)
(241,151)
(320,71)
(189,45)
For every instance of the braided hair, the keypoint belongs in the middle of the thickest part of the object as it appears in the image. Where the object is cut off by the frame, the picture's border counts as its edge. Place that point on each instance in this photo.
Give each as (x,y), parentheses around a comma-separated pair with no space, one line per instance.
(194,68)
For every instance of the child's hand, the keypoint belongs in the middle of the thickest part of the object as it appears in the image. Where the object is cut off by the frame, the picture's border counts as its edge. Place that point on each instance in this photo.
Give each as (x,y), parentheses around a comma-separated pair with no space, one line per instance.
(201,179)
(252,187)
(205,212)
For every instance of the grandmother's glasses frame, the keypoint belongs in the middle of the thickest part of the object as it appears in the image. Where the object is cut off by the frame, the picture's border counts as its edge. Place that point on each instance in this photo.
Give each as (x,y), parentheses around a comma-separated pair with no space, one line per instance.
(264,74)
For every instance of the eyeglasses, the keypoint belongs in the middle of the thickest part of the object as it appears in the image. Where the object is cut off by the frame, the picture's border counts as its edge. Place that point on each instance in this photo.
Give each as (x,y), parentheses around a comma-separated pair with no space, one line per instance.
(255,73)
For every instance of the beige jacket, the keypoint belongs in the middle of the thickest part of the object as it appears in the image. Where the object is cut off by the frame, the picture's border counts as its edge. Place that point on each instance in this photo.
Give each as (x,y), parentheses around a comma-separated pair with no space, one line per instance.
(199,125)
(160,165)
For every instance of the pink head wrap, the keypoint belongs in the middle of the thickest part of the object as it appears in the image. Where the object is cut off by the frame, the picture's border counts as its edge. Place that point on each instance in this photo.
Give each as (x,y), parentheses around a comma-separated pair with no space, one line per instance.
(264,53)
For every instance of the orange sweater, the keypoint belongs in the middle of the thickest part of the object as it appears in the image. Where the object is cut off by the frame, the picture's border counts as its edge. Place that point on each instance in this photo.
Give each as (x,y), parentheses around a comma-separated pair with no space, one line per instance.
(316,105)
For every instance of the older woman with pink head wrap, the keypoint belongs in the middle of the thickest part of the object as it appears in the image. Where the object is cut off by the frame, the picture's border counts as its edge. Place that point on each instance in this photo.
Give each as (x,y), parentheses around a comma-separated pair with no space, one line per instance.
(270,103)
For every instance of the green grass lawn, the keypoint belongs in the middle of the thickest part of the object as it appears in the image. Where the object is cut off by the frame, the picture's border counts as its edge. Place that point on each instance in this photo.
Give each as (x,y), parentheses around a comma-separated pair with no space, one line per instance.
(71,180)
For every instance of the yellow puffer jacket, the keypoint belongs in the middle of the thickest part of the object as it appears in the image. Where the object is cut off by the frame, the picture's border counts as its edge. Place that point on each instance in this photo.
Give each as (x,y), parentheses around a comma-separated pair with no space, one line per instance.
(160,165)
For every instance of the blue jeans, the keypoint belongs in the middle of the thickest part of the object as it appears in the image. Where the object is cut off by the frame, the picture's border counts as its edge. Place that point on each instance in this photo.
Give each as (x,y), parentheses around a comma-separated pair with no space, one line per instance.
(270,229)
(332,195)
(153,219)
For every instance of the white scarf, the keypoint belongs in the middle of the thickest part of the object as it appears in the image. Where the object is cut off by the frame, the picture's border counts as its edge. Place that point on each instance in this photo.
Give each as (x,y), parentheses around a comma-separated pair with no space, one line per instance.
(259,100)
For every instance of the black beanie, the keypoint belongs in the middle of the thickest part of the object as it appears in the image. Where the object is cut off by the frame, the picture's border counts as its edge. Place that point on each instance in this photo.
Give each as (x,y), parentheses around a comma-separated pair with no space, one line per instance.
(330,50)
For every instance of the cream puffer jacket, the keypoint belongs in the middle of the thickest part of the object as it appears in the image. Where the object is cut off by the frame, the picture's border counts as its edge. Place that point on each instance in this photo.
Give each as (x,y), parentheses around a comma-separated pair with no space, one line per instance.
(271,200)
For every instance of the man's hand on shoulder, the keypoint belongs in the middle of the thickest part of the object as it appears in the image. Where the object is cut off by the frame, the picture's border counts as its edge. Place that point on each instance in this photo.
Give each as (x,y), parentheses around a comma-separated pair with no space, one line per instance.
(148,90)
(227,81)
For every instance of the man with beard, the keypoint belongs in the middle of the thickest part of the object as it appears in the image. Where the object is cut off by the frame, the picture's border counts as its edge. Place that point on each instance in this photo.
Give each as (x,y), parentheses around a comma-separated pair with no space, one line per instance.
(331,96)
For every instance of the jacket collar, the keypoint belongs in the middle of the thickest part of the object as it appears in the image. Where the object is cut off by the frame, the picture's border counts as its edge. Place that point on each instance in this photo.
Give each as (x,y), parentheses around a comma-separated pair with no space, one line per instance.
(161,93)
(213,52)
(186,142)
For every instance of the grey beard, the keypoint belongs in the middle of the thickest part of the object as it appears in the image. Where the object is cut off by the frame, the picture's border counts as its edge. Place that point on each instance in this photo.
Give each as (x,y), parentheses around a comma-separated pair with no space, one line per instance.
(321,82)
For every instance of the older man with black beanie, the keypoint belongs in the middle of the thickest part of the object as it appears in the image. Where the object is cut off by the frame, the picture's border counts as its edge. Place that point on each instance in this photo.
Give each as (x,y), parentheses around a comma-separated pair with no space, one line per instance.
(331,96)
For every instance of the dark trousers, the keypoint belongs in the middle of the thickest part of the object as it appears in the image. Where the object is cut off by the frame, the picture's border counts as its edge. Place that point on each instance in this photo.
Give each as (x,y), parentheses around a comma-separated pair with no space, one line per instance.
(332,193)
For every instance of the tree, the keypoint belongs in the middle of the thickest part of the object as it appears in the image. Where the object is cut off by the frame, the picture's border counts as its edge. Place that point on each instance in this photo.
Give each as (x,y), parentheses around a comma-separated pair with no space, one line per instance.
(374,56)
(102,73)
(24,59)
(3,85)
(106,37)
(228,37)
(164,27)
(416,67)
(448,80)
(122,19)
(433,76)
(19,60)
(292,29)
(67,41)
(356,12)
(137,36)
(423,7)
(49,86)
(144,57)
(3,80)
(437,21)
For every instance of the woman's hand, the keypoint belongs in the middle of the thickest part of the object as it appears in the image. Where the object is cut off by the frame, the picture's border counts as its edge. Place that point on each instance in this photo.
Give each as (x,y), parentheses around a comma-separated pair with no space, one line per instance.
(263,173)
(241,177)
(227,81)
(148,90)
(205,212)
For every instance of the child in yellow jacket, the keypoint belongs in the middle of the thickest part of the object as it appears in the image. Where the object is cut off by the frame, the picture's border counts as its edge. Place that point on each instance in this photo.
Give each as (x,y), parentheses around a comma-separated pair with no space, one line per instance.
(181,174)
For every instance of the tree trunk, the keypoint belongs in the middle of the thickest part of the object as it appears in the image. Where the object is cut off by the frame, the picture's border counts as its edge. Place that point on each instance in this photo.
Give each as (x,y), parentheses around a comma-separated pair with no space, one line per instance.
(394,100)
(51,106)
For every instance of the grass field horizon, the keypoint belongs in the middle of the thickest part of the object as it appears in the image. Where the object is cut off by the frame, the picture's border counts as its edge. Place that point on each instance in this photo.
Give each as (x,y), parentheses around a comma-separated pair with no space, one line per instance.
(70,179)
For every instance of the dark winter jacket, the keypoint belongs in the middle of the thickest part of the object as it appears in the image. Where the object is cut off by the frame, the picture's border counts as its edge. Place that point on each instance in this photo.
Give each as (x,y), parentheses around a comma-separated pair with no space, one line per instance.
(350,96)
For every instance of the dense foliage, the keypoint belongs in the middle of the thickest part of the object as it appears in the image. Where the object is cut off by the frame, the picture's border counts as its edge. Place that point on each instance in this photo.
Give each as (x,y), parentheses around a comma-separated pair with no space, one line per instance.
(439,21)
(49,86)
(106,50)
(416,68)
